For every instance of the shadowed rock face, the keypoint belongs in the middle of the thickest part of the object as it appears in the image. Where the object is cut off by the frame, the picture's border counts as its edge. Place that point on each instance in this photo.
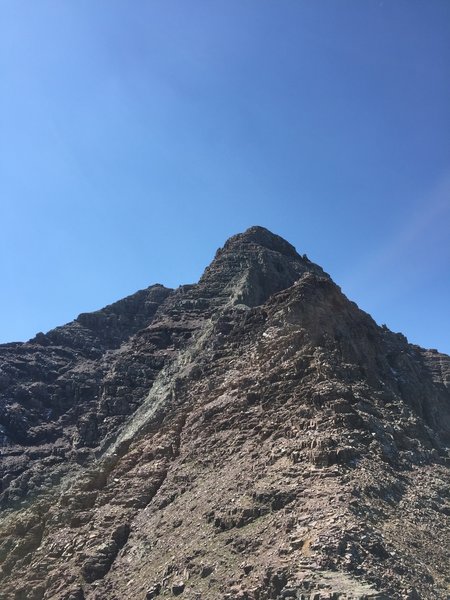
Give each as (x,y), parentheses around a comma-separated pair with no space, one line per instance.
(253,436)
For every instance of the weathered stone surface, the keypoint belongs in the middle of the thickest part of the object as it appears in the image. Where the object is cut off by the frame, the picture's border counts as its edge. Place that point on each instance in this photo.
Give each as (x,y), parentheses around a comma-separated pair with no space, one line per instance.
(253,436)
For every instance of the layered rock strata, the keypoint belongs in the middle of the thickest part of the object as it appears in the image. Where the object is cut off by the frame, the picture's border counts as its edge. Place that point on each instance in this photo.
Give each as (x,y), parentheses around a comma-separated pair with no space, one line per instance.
(254,436)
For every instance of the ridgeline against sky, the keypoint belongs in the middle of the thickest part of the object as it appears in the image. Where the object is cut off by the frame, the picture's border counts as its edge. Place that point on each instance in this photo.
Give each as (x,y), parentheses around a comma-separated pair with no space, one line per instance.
(253,436)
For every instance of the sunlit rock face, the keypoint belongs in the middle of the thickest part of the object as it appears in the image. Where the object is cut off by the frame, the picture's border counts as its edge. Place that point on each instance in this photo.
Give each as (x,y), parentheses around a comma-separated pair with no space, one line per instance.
(253,436)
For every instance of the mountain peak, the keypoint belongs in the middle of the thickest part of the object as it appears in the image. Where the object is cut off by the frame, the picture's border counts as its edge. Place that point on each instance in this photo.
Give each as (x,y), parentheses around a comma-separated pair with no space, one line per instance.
(253,436)
(253,265)
(261,236)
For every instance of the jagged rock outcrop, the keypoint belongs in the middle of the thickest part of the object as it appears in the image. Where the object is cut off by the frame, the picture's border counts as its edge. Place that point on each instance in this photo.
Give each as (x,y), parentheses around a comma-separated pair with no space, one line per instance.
(253,436)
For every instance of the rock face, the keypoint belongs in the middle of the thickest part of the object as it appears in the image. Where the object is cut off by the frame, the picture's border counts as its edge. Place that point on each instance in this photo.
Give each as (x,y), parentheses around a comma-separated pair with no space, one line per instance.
(254,436)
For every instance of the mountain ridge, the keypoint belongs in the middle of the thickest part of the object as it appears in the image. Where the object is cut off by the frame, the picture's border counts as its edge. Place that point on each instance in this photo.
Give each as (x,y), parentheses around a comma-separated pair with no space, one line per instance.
(115,427)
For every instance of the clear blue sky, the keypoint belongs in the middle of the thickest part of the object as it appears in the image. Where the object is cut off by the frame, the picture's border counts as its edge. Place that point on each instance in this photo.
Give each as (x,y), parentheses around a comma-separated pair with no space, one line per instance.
(135,137)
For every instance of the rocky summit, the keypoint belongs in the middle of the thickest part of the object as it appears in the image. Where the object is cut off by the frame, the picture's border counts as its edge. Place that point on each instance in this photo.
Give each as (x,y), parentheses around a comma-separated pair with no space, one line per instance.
(254,436)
